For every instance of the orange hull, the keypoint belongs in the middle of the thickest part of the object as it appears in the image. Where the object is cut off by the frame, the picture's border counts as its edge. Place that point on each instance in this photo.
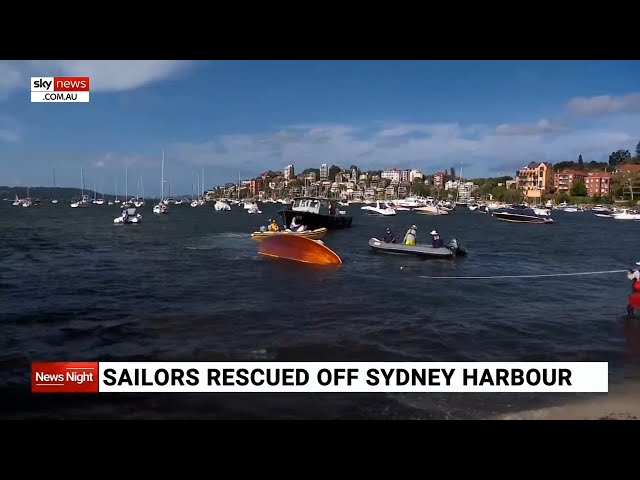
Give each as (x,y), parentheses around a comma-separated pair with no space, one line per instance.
(299,249)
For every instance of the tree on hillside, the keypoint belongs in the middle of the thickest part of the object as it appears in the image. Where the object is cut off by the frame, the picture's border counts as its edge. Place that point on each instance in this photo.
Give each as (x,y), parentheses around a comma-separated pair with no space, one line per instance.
(618,157)
(579,189)
(638,150)
(627,183)
(333,170)
(452,173)
(580,162)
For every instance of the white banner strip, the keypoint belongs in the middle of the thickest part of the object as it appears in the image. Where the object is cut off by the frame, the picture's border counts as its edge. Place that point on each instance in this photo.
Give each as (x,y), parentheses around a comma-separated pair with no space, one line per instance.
(353,377)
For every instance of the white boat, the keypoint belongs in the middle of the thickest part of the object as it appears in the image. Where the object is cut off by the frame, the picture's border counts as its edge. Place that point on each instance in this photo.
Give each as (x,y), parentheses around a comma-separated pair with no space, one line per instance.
(221,206)
(431,210)
(54,185)
(410,202)
(26,203)
(545,212)
(84,202)
(131,216)
(573,209)
(626,214)
(380,209)
(254,209)
(249,204)
(162,206)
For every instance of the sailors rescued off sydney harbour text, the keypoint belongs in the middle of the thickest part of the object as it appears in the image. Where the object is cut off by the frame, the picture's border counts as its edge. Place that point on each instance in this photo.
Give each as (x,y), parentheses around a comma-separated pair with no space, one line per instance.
(388,377)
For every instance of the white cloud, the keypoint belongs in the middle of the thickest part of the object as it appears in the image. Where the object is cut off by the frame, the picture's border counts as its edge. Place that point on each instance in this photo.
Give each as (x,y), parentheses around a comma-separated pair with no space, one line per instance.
(542,127)
(484,149)
(604,105)
(105,75)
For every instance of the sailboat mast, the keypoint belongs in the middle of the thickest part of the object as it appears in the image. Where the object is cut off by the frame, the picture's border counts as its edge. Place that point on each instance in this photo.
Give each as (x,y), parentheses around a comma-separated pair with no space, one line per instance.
(82,179)
(126,184)
(162,186)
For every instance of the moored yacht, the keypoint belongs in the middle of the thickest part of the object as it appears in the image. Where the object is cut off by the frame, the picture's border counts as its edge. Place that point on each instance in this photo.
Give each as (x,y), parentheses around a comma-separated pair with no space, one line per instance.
(522,214)
(380,209)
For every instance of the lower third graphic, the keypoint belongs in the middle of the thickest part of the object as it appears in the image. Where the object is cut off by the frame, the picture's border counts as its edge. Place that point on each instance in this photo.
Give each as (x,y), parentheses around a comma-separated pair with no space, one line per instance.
(64,377)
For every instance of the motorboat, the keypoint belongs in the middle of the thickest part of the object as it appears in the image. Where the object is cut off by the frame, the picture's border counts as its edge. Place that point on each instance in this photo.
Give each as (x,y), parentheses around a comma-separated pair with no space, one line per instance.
(431,210)
(626,214)
(312,234)
(573,209)
(603,212)
(451,250)
(298,249)
(129,215)
(521,214)
(380,209)
(221,206)
(308,209)
(253,209)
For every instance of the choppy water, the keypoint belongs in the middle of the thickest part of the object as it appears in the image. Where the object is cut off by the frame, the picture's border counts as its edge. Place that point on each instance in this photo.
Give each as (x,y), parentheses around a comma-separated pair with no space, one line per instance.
(190,286)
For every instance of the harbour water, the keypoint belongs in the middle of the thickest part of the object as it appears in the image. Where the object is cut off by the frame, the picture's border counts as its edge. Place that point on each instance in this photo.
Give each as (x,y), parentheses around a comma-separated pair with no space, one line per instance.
(190,286)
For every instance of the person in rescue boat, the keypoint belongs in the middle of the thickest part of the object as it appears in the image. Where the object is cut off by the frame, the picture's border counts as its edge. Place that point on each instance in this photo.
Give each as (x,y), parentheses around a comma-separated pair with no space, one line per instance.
(332,208)
(295,226)
(436,241)
(634,297)
(389,237)
(411,237)
(273,226)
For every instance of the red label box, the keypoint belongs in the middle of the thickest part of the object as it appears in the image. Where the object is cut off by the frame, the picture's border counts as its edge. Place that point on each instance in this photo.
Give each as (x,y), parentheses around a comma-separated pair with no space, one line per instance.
(64,377)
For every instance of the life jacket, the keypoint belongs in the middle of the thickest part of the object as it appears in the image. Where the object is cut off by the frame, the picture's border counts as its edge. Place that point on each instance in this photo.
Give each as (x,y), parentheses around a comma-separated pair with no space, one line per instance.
(411,236)
(636,286)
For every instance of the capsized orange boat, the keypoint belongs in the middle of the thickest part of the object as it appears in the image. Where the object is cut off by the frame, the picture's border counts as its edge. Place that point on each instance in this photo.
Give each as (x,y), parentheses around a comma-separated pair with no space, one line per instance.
(299,249)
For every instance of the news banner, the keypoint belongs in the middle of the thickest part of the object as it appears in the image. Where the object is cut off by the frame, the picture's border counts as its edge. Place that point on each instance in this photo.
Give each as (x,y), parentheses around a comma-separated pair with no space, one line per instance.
(316,377)
(60,89)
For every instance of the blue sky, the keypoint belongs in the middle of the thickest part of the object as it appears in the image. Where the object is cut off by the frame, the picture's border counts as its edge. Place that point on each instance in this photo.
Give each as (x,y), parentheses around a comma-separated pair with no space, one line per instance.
(244,117)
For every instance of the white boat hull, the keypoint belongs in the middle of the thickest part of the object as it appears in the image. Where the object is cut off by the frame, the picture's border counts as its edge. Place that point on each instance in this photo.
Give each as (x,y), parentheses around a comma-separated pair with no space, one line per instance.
(136,219)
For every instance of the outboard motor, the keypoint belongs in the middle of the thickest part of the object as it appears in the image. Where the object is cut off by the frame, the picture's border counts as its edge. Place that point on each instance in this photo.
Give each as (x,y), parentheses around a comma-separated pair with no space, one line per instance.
(263,228)
(453,245)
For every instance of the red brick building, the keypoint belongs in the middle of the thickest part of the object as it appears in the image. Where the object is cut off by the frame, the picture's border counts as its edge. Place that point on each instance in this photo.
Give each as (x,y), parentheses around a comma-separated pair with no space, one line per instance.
(599,184)
(439,179)
(563,181)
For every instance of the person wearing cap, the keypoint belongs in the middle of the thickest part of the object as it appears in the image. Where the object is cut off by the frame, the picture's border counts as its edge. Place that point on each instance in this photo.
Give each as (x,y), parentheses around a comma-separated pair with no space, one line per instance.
(389,237)
(411,236)
(436,241)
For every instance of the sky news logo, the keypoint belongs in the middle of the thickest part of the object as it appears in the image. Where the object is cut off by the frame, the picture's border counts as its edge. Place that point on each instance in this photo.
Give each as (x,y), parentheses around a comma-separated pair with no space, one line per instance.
(60,89)
(64,377)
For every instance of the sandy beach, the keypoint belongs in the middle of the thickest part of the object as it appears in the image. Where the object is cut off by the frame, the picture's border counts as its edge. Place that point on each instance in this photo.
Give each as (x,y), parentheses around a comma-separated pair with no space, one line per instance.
(622,404)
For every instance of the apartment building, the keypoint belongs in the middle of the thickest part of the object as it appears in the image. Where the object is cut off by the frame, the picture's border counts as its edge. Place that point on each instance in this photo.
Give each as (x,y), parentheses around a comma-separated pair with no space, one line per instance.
(535,178)
(324,172)
(564,181)
(599,184)
(439,179)
(394,174)
(289,173)
(413,174)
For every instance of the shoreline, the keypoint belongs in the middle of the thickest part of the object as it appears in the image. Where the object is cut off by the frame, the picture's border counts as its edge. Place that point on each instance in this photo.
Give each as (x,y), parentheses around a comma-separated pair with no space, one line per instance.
(615,405)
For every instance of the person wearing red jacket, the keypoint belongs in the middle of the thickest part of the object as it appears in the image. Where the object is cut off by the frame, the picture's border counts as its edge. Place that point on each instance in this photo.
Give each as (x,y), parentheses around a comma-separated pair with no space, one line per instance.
(634,296)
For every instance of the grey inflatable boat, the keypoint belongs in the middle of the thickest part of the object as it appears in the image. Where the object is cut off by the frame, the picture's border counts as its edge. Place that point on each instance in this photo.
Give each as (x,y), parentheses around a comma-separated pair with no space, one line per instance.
(450,251)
